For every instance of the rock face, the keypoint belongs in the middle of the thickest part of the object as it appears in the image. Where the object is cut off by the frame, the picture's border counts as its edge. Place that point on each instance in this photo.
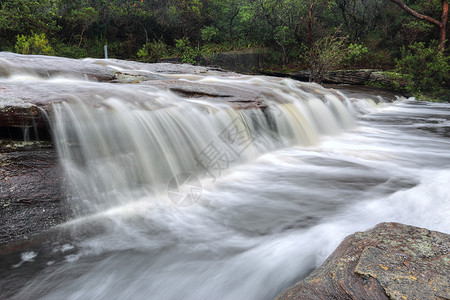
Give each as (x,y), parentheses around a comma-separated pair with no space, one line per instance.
(390,261)
(351,77)
(348,76)
(32,196)
(242,61)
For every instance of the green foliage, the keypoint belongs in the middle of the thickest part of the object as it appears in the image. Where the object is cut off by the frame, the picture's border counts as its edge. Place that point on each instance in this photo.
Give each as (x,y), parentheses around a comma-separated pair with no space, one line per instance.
(359,17)
(393,81)
(70,51)
(379,59)
(152,51)
(424,69)
(189,55)
(181,45)
(285,38)
(95,47)
(82,18)
(324,55)
(356,55)
(35,44)
(149,30)
(24,17)
(209,33)
(414,29)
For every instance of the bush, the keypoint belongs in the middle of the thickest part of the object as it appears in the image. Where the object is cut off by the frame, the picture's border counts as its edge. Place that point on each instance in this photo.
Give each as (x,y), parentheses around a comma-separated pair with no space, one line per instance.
(425,69)
(34,44)
(379,59)
(324,55)
(209,34)
(153,51)
(95,47)
(188,54)
(70,51)
(285,39)
(356,55)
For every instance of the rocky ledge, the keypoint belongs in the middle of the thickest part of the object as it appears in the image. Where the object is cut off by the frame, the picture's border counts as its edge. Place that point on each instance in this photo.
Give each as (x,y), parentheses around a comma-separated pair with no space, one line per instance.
(390,261)
(32,190)
(360,77)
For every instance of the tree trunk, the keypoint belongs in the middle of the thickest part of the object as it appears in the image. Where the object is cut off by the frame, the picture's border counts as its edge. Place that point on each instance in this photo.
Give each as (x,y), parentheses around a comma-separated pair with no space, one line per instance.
(81,37)
(310,23)
(442,25)
(231,23)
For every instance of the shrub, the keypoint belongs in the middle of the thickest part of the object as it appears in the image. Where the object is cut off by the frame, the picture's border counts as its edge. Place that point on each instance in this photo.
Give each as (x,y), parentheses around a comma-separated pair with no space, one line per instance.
(324,55)
(152,51)
(356,55)
(209,34)
(70,51)
(425,69)
(285,38)
(188,54)
(34,44)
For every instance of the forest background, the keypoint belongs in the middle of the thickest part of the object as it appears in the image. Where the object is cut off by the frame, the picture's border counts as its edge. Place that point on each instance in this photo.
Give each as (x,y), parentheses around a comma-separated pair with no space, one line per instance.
(317,35)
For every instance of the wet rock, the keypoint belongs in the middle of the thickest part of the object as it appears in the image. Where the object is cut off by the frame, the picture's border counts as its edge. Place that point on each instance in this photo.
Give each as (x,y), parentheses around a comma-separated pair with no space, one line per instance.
(93,69)
(238,98)
(24,111)
(146,69)
(25,107)
(354,91)
(390,261)
(32,195)
(356,77)
(387,80)
(243,61)
(359,77)
(135,77)
(51,66)
(16,111)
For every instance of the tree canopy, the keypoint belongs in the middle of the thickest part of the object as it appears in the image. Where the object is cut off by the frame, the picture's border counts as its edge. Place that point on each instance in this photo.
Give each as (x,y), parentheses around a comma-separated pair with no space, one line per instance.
(286,28)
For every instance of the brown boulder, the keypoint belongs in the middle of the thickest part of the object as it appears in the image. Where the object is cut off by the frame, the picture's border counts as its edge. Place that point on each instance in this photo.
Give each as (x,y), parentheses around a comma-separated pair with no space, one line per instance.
(390,261)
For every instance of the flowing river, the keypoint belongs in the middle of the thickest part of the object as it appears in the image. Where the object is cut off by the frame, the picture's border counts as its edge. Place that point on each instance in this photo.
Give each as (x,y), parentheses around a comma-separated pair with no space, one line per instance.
(181,198)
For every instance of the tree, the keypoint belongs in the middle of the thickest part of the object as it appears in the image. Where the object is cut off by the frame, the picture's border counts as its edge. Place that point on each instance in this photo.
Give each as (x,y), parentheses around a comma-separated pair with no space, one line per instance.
(423,69)
(325,54)
(360,16)
(442,25)
(26,17)
(82,18)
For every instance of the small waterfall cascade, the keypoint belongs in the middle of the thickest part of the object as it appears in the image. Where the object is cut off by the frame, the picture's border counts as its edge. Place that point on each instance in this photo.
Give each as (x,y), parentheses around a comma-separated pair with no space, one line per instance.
(130,141)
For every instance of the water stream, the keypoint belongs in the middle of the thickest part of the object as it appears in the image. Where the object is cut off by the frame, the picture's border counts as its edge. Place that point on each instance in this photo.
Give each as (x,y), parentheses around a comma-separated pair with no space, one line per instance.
(183,198)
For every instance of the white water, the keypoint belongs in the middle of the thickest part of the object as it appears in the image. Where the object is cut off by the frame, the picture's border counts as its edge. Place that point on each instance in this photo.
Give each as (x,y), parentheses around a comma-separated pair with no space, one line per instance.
(313,170)
(138,138)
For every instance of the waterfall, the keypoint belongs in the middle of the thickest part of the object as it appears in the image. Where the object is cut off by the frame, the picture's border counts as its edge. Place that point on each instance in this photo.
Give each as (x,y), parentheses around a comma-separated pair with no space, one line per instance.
(130,141)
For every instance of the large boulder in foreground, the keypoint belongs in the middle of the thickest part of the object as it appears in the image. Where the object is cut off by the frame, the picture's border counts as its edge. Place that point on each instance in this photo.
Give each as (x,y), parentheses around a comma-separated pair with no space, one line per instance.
(390,261)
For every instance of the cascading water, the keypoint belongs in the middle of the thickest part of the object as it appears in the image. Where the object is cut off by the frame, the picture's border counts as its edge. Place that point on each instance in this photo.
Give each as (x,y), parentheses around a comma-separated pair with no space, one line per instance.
(131,142)
(278,186)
